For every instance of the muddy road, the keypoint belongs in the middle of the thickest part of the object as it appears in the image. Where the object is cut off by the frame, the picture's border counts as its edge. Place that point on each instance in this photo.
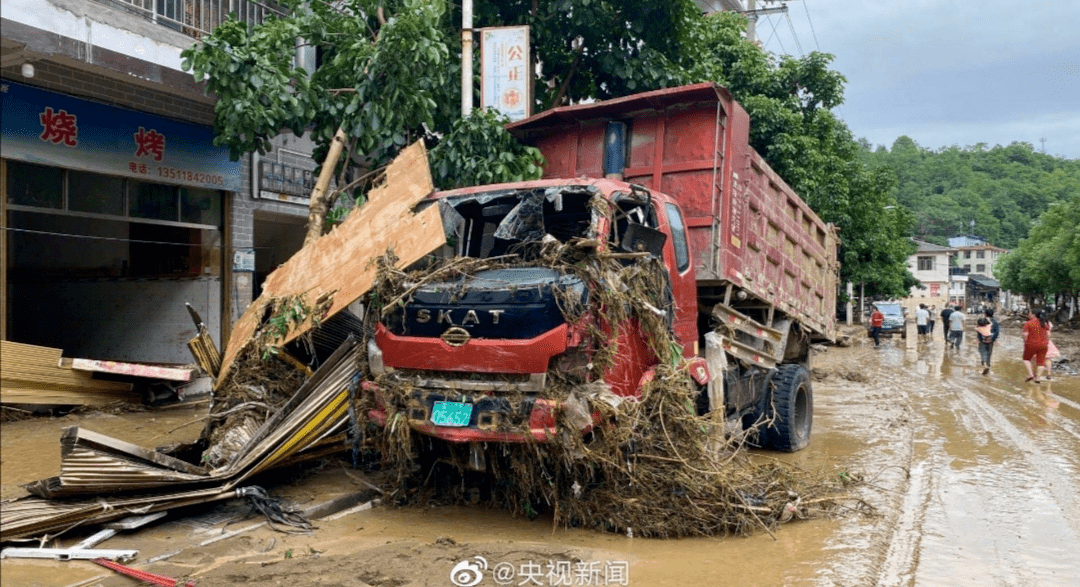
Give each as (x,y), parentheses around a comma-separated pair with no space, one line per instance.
(975,479)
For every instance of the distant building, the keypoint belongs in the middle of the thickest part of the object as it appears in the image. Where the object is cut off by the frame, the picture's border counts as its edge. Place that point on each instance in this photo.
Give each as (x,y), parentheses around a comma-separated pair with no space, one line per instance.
(979,259)
(982,291)
(967,240)
(930,265)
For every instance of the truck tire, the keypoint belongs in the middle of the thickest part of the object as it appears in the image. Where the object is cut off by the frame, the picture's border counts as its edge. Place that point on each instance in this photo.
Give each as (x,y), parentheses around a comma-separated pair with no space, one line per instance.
(793,402)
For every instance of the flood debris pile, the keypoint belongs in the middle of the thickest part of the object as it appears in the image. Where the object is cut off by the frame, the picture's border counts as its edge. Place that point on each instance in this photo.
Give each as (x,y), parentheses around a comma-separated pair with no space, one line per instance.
(650,467)
(263,378)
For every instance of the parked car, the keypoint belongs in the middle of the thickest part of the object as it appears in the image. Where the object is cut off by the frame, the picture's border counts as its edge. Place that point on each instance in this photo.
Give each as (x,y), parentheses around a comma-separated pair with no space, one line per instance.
(894,318)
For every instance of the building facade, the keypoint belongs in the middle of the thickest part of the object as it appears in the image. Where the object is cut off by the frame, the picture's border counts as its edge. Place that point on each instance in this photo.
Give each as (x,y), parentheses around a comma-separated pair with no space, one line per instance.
(979,259)
(117,209)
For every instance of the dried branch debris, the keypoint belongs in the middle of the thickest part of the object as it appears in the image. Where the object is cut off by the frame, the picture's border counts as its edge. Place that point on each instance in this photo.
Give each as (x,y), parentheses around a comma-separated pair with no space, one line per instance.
(653,467)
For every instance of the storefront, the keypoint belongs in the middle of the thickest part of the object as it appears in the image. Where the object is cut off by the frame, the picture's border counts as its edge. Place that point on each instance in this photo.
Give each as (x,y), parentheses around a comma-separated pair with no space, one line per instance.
(113,219)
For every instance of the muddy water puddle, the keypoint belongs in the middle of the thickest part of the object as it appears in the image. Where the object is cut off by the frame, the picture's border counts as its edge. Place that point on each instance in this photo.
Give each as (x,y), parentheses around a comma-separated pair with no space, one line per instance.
(30,449)
(990,492)
(974,479)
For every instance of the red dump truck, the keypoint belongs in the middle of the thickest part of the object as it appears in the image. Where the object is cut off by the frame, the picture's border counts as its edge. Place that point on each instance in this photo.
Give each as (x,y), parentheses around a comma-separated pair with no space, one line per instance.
(752,271)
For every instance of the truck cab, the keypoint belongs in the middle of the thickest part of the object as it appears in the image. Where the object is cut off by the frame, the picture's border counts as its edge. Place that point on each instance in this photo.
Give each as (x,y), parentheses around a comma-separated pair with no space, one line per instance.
(507,347)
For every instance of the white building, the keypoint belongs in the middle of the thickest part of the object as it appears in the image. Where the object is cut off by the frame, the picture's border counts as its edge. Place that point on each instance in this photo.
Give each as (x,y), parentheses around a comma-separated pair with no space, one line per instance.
(979,259)
(930,265)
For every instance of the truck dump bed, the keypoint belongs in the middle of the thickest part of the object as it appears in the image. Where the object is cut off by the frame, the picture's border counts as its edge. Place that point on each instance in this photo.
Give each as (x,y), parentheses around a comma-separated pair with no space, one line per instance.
(747,227)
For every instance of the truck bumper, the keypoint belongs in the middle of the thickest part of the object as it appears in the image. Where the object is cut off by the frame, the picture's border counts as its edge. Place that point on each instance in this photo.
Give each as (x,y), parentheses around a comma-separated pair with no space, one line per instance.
(493,418)
(478,355)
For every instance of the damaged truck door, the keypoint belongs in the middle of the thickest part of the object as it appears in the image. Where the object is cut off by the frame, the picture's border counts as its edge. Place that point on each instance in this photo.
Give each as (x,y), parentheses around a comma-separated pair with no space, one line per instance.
(545,300)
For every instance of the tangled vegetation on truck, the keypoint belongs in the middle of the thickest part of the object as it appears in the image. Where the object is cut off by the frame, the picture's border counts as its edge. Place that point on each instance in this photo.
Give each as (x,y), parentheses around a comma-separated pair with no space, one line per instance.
(653,467)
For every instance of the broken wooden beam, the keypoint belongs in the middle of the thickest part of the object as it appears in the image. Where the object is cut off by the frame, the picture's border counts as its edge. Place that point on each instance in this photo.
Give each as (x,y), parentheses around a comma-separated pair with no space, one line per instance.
(339,263)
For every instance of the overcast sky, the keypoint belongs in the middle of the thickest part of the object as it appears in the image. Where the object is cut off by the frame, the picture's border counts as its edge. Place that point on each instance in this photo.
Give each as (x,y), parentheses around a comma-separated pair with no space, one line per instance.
(947,73)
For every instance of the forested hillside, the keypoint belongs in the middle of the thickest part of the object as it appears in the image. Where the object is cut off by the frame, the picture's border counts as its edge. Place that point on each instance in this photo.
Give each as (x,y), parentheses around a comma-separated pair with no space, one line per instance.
(1003,189)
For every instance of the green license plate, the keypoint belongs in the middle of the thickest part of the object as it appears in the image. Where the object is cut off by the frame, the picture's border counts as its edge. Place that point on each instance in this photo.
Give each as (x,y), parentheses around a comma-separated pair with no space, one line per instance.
(451,414)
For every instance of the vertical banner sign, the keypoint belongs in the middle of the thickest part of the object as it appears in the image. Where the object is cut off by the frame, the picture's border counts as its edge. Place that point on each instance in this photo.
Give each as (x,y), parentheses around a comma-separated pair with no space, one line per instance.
(39,126)
(506,71)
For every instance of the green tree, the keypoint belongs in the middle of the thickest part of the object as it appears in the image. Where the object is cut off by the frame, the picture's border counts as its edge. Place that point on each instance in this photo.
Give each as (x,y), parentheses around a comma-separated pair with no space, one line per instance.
(1003,189)
(1046,265)
(389,69)
(367,83)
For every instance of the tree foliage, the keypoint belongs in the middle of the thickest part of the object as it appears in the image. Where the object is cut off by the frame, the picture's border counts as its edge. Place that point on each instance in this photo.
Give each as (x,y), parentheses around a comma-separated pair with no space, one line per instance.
(1046,264)
(478,150)
(389,73)
(1002,189)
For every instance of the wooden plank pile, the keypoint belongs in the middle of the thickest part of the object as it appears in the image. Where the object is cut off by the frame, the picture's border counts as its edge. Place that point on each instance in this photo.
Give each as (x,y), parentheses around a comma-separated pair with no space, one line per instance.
(32,374)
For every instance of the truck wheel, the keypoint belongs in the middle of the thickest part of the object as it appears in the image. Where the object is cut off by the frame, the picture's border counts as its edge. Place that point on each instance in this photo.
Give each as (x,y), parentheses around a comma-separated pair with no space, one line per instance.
(793,401)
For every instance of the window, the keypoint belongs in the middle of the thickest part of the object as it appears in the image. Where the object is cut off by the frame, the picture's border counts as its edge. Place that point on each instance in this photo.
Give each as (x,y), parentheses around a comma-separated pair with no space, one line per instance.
(926,263)
(54,188)
(153,200)
(90,192)
(980,268)
(980,254)
(967,268)
(967,254)
(678,236)
(200,206)
(35,185)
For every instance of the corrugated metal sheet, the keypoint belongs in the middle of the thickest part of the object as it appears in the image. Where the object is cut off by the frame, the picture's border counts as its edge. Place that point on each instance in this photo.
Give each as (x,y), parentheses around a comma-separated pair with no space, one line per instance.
(96,465)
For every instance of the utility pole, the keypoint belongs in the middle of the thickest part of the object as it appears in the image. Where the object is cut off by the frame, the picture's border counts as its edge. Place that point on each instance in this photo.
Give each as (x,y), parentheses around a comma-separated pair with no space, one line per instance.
(751,27)
(752,13)
(466,57)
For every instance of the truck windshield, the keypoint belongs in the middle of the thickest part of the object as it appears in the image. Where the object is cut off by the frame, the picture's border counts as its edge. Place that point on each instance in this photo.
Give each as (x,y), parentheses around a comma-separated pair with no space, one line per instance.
(504,222)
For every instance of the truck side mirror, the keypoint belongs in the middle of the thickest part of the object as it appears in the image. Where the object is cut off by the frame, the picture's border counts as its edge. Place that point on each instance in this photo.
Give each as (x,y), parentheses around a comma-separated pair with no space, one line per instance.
(641,238)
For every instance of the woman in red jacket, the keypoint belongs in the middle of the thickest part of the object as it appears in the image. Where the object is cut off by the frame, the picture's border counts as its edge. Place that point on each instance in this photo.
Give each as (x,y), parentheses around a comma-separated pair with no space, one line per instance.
(1036,340)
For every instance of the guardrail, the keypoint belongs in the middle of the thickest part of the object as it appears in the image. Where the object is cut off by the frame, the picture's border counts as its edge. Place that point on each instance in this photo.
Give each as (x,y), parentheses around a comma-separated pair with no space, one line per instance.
(196,18)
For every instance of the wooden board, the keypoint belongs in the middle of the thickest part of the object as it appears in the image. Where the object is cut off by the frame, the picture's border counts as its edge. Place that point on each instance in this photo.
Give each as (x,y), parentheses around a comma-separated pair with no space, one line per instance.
(36,396)
(31,374)
(340,261)
(133,369)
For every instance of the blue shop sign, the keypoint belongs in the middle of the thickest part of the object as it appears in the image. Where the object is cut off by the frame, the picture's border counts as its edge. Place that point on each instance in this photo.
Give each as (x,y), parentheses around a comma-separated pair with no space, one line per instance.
(44,127)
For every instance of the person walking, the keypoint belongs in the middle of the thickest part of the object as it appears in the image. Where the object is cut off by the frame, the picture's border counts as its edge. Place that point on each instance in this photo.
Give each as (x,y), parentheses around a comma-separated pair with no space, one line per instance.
(945,322)
(930,324)
(1036,334)
(988,330)
(956,327)
(1052,351)
(877,320)
(922,318)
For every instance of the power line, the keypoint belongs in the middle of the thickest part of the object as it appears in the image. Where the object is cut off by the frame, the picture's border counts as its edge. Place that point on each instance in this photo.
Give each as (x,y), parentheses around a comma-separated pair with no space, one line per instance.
(766,44)
(782,48)
(816,44)
(791,25)
(110,238)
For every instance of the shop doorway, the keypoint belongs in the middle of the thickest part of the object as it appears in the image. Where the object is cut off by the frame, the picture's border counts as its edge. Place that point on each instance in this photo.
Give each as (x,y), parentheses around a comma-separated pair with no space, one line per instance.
(277,238)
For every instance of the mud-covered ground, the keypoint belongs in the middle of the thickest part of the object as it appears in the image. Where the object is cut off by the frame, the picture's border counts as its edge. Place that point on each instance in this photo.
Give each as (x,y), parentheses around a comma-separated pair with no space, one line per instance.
(975,478)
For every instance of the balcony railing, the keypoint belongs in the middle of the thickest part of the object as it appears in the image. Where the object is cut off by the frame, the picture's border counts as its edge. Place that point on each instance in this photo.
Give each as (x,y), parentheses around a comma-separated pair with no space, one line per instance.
(196,18)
